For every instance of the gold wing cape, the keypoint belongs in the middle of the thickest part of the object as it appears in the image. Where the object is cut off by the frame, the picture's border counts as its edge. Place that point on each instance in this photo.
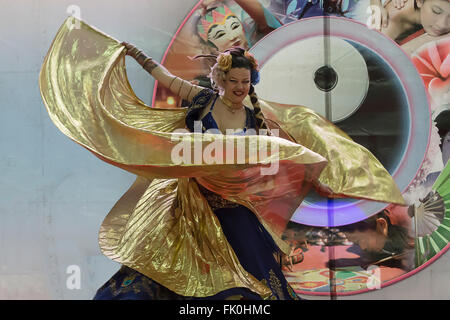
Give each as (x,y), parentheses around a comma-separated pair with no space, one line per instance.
(162,226)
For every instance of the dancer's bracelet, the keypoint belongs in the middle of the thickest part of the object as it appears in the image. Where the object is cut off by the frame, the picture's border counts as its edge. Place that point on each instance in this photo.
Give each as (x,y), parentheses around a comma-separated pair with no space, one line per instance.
(146,60)
(134,52)
(149,65)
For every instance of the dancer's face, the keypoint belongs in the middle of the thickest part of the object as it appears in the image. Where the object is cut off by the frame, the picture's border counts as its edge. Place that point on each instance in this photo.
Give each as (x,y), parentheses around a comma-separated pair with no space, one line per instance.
(435,16)
(237,84)
(227,34)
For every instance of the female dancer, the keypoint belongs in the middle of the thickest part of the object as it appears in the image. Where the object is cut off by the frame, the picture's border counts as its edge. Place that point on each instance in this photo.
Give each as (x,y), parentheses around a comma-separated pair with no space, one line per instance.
(186,240)
(233,76)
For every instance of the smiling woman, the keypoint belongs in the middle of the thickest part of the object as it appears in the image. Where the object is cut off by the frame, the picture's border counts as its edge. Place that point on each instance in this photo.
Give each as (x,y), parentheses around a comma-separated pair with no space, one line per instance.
(233,77)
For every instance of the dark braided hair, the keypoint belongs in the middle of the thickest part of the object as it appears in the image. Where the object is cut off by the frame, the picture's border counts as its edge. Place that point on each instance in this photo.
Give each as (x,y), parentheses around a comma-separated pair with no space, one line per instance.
(260,120)
(241,60)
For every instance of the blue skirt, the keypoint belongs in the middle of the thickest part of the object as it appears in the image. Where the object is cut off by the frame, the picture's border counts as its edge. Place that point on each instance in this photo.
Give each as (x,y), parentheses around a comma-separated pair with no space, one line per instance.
(253,246)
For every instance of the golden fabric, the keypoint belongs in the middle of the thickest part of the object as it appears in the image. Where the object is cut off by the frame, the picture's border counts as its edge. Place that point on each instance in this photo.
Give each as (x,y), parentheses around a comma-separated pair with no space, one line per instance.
(352,170)
(163,227)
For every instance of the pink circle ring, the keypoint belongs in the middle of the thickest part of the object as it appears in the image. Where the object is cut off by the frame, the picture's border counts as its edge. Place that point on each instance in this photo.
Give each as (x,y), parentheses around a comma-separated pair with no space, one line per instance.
(413,106)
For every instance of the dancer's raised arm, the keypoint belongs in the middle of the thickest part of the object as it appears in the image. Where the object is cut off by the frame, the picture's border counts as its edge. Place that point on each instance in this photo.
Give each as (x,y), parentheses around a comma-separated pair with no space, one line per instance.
(184,89)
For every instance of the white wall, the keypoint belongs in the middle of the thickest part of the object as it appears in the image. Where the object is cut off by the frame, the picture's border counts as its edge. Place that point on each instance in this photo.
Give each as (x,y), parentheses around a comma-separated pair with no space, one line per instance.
(53,193)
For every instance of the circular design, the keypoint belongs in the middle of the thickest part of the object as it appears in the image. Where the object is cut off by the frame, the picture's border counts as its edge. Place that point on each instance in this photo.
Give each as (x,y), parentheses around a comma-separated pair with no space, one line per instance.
(400,95)
(395,109)
(303,73)
(325,78)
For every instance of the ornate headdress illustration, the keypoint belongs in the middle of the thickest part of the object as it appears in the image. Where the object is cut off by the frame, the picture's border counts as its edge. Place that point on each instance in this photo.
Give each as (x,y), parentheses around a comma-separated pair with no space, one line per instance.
(216,16)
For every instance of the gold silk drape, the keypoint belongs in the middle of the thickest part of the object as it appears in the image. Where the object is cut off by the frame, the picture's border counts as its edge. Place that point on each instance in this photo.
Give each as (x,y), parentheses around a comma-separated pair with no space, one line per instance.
(162,226)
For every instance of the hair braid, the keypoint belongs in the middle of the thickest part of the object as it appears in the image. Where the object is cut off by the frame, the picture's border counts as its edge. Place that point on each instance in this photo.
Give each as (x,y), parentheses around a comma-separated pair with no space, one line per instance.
(259,117)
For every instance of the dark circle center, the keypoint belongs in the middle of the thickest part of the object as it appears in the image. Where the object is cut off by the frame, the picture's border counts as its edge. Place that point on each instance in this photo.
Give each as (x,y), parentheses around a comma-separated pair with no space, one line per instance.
(325,78)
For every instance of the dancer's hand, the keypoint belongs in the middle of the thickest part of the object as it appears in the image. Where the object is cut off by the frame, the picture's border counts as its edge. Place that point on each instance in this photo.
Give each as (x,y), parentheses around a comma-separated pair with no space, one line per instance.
(127,46)
(131,49)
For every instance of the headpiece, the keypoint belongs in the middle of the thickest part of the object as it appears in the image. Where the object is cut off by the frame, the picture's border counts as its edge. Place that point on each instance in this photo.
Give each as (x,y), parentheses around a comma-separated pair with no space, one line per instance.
(225,61)
(216,16)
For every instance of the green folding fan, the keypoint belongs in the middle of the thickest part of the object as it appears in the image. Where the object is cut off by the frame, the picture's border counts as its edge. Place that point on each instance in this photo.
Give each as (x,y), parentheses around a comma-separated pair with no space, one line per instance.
(432,219)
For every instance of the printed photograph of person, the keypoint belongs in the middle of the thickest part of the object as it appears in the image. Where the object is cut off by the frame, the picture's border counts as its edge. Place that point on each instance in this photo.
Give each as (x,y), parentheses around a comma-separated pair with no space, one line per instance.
(380,249)
(214,26)
(385,238)
(405,20)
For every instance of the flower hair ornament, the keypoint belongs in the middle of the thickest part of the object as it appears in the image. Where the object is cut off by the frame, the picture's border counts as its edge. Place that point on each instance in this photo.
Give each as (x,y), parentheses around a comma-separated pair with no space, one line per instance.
(224,61)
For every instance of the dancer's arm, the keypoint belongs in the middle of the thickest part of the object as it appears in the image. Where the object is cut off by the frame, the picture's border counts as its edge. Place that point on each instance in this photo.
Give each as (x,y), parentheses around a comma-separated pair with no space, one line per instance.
(184,89)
